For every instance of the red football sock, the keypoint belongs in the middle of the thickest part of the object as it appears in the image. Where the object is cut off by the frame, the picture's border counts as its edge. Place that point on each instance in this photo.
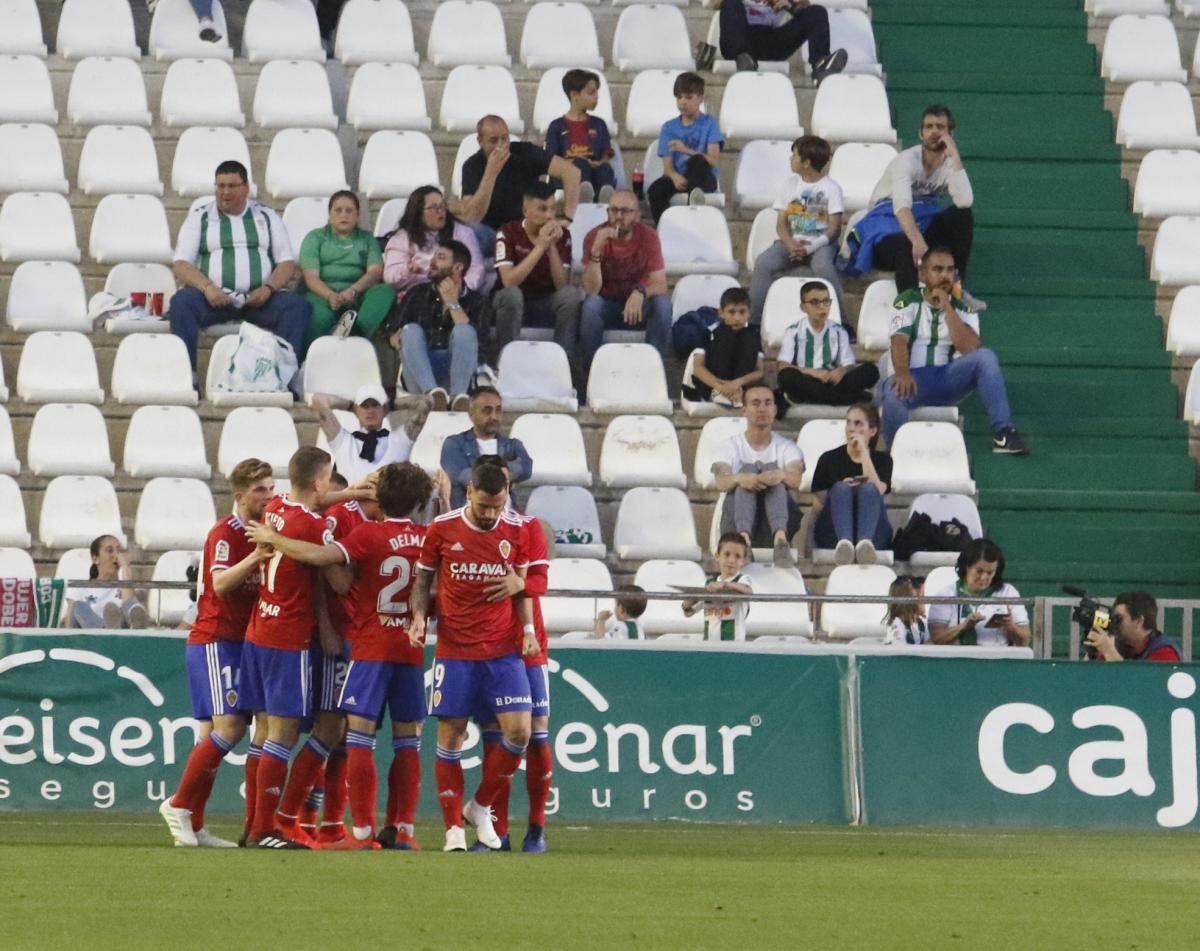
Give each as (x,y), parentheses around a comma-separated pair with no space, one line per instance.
(449,777)
(272,774)
(404,786)
(253,755)
(306,770)
(363,785)
(500,803)
(336,791)
(198,777)
(498,770)
(539,773)
(203,791)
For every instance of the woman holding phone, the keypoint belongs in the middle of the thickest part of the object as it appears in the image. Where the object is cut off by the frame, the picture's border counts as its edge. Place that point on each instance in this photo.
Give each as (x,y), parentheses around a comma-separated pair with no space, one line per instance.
(980,571)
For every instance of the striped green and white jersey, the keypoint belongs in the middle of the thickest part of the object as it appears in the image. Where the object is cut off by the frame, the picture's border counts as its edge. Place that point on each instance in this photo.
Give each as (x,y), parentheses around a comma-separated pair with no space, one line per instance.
(727,621)
(237,252)
(630,630)
(925,327)
(811,349)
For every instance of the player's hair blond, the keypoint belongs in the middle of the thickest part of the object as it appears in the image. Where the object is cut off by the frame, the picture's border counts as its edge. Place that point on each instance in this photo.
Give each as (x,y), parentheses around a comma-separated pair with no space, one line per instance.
(306,465)
(246,473)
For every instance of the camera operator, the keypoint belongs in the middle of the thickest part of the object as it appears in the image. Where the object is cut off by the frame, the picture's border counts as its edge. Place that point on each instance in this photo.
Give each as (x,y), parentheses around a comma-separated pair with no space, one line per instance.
(1135,614)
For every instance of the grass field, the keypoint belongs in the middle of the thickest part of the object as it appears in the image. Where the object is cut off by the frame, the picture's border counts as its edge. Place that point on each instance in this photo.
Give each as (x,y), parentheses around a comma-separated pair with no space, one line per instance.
(82,882)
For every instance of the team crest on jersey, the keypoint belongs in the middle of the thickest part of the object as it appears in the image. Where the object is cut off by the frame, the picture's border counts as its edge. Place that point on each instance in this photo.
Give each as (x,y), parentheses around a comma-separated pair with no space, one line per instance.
(222,552)
(505,548)
(231,698)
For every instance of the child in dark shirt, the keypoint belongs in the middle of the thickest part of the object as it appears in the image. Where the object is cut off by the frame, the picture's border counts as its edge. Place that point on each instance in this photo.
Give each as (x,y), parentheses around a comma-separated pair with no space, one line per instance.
(732,358)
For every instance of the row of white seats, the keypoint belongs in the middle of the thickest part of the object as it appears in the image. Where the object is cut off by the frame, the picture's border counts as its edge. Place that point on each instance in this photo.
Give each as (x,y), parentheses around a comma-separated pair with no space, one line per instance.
(1116,8)
(1144,46)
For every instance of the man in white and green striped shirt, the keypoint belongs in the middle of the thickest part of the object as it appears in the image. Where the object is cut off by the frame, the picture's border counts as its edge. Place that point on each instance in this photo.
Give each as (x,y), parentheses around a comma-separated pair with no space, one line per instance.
(232,262)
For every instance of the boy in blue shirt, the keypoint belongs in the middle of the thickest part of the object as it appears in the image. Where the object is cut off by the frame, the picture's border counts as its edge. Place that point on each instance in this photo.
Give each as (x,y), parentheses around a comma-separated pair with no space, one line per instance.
(583,138)
(690,146)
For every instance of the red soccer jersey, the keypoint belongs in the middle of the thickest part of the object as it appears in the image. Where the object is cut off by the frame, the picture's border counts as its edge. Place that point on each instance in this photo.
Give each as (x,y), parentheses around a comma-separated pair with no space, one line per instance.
(224,618)
(284,617)
(536,578)
(342,519)
(386,553)
(467,560)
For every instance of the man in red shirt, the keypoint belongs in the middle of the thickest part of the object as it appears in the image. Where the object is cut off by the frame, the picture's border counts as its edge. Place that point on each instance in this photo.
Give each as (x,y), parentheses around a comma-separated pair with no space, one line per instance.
(533,262)
(625,279)
(228,592)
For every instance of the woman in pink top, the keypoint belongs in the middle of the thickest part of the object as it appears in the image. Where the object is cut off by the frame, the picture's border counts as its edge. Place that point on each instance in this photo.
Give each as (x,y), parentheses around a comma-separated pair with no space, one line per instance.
(425,222)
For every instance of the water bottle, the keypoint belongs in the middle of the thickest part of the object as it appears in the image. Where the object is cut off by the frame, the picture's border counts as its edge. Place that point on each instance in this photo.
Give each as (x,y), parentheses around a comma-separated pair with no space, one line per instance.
(639,180)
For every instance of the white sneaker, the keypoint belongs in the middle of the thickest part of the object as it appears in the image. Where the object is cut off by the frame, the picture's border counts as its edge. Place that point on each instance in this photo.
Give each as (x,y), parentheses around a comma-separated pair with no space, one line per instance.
(843,554)
(456,840)
(864,552)
(481,818)
(206,840)
(179,821)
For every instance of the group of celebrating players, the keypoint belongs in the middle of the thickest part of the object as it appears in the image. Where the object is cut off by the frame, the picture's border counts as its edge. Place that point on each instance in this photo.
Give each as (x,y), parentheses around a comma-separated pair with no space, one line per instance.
(295,585)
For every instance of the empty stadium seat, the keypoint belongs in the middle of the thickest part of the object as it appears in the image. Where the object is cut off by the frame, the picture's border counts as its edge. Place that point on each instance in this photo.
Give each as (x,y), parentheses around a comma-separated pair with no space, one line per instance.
(782,307)
(778,618)
(587,216)
(199,151)
(1183,327)
(395,164)
(942,507)
(3,387)
(695,240)
(75,564)
(1155,115)
(25,92)
(699,290)
(628,378)
(126,279)
(653,36)
(555,443)
(119,159)
(167,606)
(95,28)
(1141,47)
(857,167)
(37,226)
(864,619)
(760,106)
(387,96)
(1191,397)
(69,439)
(304,162)
(641,450)
(817,437)
(130,228)
(265,432)
(222,352)
(667,575)
(293,95)
(23,28)
(390,212)
(715,432)
(173,33)
(153,368)
(16,563)
(535,377)
(651,101)
(108,90)
(58,367)
(1168,183)
(173,513)
(427,450)
(655,522)
(850,29)
(165,441)
(1174,260)
(468,32)
(339,366)
(200,92)
(9,463)
(303,215)
(77,509)
(371,31)
(551,102)
(560,34)
(571,511)
(575,574)
(875,315)
(930,457)
(852,109)
(1112,8)
(763,167)
(281,29)
(762,235)
(47,295)
(13,528)
(474,91)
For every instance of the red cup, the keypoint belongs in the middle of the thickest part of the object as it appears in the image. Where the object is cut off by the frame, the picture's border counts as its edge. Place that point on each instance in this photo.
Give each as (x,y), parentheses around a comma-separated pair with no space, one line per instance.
(137,298)
(156,303)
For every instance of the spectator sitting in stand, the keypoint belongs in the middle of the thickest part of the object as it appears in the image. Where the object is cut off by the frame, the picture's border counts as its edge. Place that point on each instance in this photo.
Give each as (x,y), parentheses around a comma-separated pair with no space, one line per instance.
(582,138)
(357,454)
(690,145)
(425,224)
(460,451)
(115,607)
(816,360)
(731,359)
(753,31)
(980,571)
(905,622)
(623,622)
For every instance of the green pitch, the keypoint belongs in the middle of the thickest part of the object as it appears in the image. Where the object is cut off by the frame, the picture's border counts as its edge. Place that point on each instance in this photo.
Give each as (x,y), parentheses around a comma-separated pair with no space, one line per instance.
(87,882)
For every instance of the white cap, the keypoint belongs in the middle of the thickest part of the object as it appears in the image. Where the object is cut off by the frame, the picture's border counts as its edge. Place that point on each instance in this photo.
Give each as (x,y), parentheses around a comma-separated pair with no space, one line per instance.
(370,391)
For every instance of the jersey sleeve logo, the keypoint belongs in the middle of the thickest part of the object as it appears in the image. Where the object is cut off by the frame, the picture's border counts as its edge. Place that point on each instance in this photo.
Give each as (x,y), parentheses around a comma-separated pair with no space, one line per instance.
(221,554)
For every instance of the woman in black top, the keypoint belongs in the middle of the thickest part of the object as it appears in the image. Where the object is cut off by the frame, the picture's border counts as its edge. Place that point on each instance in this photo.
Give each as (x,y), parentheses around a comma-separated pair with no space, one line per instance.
(855,477)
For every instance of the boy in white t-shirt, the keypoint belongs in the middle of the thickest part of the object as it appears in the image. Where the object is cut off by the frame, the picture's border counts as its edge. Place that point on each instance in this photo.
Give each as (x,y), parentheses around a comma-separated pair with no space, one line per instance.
(726,620)
(808,225)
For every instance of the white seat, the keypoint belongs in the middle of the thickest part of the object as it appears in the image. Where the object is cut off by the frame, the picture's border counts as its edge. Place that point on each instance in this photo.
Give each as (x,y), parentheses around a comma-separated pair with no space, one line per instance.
(130,228)
(850,30)
(1156,115)
(760,106)
(126,279)
(715,432)
(695,240)
(652,169)
(69,439)
(1191,398)
(75,564)
(47,295)
(818,436)
(571,512)
(23,27)
(551,102)
(763,166)
(655,522)
(13,528)
(1141,47)
(153,368)
(9,463)
(1174,260)
(468,32)
(222,352)
(651,101)
(282,29)
(1168,183)
(16,563)
(466,148)
(930,457)
(727,67)
(107,89)
(699,290)
(575,574)
(555,443)
(25,91)
(560,34)
(641,450)
(3,387)
(1183,327)
(303,215)
(119,159)
(58,367)
(372,31)
(941,507)
(76,509)
(535,377)
(167,606)
(293,94)
(652,36)
(852,108)
(173,513)
(173,33)
(628,378)
(474,91)
(339,366)
(864,619)
(390,213)
(587,216)
(304,162)
(427,450)
(668,575)
(782,307)
(200,92)
(395,164)
(346,419)
(777,619)
(857,167)
(1112,8)
(762,235)
(875,315)
(625,3)
(264,432)
(387,96)
(165,441)
(199,152)
(37,226)
(95,28)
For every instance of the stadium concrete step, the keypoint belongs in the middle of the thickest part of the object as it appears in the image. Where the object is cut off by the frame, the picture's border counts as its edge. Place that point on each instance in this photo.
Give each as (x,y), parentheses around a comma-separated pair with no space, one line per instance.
(1049,187)
(1037,18)
(1048,49)
(1099,357)
(1152,429)
(1048,469)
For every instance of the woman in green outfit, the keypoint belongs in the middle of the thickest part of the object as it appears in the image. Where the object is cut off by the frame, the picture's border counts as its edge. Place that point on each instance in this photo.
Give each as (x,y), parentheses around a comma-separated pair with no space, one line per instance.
(343,268)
